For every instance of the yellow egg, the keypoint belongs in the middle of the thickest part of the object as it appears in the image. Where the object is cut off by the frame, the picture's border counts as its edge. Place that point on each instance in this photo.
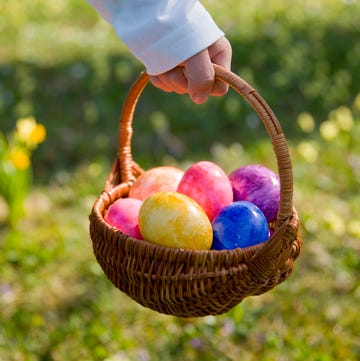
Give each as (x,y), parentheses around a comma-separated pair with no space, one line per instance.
(174,220)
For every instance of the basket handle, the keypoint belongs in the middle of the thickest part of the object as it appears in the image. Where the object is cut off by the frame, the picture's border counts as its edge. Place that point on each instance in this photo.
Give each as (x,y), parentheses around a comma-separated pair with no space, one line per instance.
(263,110)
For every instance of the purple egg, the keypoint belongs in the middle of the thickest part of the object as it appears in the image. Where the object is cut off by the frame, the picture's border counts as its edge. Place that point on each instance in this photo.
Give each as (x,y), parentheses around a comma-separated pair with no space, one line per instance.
(259,185)
(240,224)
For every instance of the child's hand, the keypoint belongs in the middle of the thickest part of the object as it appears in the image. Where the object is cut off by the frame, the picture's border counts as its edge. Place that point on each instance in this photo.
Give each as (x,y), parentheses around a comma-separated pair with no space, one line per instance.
(196,75)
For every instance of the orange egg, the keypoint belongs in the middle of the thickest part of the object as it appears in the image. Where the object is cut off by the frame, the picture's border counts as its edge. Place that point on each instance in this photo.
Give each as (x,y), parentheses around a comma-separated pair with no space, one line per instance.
(164,178)
(174,220)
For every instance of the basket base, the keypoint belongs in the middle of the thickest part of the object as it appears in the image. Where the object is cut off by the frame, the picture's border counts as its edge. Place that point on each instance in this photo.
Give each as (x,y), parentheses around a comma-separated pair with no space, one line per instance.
(186,283)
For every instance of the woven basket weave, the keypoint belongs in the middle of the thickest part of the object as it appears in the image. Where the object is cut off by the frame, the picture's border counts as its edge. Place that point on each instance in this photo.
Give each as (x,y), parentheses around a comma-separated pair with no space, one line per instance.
(187,283)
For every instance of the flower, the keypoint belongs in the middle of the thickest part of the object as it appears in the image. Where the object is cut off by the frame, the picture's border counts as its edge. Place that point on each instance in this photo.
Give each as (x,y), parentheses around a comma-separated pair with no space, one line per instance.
(19,158)
(38,134)
(15,166)
(24,128)
(29,132)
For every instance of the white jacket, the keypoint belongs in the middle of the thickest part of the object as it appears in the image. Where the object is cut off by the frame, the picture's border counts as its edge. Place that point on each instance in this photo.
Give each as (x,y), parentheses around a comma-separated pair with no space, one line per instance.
(160,33)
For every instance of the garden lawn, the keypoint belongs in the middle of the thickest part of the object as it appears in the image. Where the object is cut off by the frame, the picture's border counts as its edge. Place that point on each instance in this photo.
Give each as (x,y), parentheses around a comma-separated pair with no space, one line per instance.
(63,65)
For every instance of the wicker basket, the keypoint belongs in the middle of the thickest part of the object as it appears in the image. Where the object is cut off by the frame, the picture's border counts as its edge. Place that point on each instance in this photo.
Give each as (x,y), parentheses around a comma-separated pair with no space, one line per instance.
(187,283)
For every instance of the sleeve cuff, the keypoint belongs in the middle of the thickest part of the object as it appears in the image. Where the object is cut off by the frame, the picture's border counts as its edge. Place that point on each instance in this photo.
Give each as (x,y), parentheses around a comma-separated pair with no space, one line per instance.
(162,45)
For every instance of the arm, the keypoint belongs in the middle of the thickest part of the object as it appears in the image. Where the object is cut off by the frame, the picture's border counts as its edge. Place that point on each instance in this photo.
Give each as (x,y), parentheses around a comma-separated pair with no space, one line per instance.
(163,34)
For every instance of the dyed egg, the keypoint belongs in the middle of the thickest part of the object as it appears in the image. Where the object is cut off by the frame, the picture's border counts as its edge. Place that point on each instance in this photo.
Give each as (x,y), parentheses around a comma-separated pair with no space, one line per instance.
(208,185)
(241,224)
(157,179)
(259,185)
(123,214)
(174,220)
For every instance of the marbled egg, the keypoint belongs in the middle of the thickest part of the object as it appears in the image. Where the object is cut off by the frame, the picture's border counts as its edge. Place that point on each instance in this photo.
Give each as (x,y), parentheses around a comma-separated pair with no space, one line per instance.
(174,220)
(259,185)
(208,185)
(123,214)
(241,224)
(164,178)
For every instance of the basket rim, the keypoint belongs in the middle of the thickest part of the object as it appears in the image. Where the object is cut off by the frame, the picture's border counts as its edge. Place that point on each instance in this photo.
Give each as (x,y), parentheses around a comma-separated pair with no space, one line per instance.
(276,248)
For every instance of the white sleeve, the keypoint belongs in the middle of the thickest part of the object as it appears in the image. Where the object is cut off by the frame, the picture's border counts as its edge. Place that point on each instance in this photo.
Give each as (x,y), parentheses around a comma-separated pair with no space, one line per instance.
(160,33)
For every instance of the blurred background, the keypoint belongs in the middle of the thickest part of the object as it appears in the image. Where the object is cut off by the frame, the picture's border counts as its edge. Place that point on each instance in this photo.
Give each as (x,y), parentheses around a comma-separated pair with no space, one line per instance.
(63,78)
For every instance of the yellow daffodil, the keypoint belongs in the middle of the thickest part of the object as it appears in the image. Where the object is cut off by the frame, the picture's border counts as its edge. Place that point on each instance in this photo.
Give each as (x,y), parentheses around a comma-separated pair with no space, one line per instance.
(38,134)
(24,128)
(19,159)
(29,132)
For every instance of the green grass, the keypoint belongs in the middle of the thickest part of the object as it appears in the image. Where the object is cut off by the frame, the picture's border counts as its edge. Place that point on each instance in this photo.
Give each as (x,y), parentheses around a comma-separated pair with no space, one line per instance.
(63,65)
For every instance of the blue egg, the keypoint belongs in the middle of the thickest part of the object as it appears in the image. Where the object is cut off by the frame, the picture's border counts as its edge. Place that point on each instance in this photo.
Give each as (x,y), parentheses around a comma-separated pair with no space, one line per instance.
(240,224)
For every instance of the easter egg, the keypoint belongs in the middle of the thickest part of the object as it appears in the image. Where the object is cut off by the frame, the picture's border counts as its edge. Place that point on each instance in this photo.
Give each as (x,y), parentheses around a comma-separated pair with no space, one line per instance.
(165,178)
(174,220)
(240,224)
(259,185)
(208,185)
(123,214)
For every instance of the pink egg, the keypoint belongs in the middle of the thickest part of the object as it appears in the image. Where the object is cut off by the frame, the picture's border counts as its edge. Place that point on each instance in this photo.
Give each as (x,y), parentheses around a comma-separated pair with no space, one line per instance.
(123,214)
(165,178)
(207,184)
